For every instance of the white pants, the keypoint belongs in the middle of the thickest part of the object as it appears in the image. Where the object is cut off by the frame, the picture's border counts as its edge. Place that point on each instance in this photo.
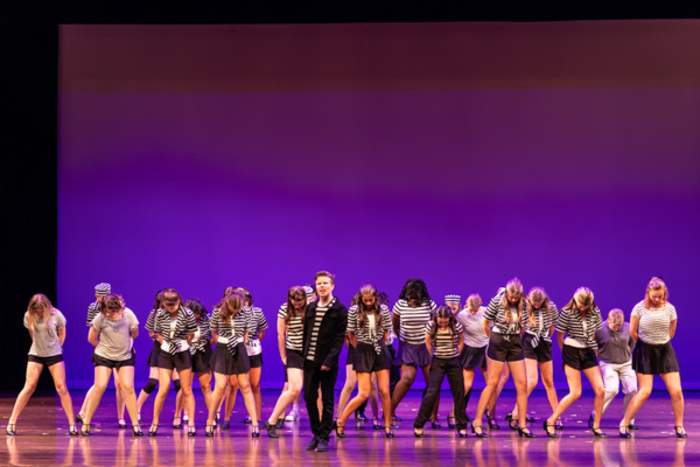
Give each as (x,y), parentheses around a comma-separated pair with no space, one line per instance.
(613,375)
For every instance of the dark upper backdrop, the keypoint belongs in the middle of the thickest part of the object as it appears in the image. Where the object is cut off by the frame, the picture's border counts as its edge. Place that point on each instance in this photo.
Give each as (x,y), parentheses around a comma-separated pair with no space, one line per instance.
(566,153)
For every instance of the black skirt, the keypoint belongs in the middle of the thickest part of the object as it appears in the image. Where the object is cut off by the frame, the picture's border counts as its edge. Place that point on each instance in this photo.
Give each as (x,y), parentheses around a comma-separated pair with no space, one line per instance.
(153,356)
(201,360)
(473,357)
(350,357)
(650,359)
(224,363)
(416,355)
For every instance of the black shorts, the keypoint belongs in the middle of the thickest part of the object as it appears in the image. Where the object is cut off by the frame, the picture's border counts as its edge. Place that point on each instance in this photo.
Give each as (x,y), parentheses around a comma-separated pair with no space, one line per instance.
(578,359)
(200,361)
(256,361)
(180,361)
(650,359)
(410,354)
(505,348)
(367,360)
(294,360)
(47,361)
(154,355)
(116,364)
(224,363)
(542,353)
(473,357)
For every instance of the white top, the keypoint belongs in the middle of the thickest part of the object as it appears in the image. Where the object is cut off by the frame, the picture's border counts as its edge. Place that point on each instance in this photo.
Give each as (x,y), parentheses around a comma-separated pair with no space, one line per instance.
(655,323)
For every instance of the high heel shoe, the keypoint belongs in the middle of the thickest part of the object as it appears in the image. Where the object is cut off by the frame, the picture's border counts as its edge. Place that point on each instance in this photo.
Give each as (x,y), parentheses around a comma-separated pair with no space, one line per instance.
(375,424)
(11,431)
(72,430)
(209,431)
(271,430)
(137,431)
(558,425)
(153,430)
(526,433)
(493,424)
(599,433)
(339,430)
(624,431)
(226,425)
(451,425)
(280,423)
(256,431)
(389,432)
(435,423)
(683,435)
(217,419)
(122,424)
(481,433)
(85,430)
(138,416)
(550,434)
(418,434)
(360,416)
(178,425)
(513,424)
(79,419)
(463,433)
(191,431)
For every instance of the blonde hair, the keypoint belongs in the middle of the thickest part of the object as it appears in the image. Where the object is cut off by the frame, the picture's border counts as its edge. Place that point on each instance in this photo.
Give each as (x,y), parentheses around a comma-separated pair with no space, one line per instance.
(513,285)
(536,294)
(656,283)
(39,301)
(584,296)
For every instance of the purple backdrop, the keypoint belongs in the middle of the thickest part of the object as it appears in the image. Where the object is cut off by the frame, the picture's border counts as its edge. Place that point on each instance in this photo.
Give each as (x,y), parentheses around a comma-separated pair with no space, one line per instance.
(463,188)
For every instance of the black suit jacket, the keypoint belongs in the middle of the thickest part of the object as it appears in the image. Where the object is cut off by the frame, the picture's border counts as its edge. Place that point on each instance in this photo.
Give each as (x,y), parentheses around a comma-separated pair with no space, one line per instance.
(331,333)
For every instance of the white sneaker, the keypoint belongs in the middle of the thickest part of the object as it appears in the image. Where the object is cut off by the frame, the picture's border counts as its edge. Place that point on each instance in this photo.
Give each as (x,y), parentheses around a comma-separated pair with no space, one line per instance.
(293,416)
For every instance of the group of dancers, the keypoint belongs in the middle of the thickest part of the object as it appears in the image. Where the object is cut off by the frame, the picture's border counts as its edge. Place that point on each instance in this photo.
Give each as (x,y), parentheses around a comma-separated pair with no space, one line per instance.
(512,336)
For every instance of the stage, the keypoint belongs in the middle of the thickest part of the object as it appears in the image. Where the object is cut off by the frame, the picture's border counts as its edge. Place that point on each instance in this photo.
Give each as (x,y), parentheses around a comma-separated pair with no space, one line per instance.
(42,438)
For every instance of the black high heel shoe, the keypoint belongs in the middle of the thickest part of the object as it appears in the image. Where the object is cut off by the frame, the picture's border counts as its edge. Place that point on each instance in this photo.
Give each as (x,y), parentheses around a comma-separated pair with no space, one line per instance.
(550,434)
(280,423)
(178,425)
(137,431)
(226,425)
(271,430)
(599,433)
(451,425)
(435,423)
(418,434)
(122,424)
(209,431)
(256,431)
(339,430)
(463,433)
(73,431)
(153,430)
(624,431)
(493,424)
(526,433)
(389,432)
(558,425)
(481,433)
(513,424)
(191,431)
(79,419)
(11,431)
(375,424)
(85,430)
(683,435)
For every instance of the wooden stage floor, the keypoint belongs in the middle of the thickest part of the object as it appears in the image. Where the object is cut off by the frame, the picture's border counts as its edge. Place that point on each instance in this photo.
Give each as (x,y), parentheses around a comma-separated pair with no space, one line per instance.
(42,438)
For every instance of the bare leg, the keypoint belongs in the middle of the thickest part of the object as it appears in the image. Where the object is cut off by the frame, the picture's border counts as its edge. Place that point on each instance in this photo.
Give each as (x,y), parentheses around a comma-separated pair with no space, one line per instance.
(244,386)
(143,396)
(102,374)
(408,375)
(295,377)
(255,374)
(33,372)
(374,395)
(673,384)
(495,370)
(220,387)
(187,395)
(119,393)
(126,379)
(58,372)
(163,389)
(350,382)
(205,386)
(532,378)
(86,401)
(363,384)
(573,377)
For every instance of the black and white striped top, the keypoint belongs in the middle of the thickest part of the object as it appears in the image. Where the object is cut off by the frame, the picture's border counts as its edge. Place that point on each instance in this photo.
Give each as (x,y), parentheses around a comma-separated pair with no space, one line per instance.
(93,310)
(235,328)
(412,321)
(320,313)
(580,333)
(474,335)
(174,335)
(654,323)
(202,336)
(368,335)
(445,343)
(258,321)
(544,319)
(496,314)
(295,329)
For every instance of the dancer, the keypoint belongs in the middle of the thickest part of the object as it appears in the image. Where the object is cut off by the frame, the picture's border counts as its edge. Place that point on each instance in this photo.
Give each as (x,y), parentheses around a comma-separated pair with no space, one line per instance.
(580,320)
(537,345)
(175,328)
(290,339)
(324,330)
(200,348)
(473,353)
(47,328)
(653,324)
(230,328)
(102,289)
(368,329)
(112,332)
(507,310)
(411,315)
(444,339)
(258,325)
(615,357)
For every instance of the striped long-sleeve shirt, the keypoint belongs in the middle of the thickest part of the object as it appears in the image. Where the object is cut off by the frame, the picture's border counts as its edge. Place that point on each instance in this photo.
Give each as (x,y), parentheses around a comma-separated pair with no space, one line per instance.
(655,323)
(580,332)
(92,312)
(202,336)
(231,331)
(412,321)
(371,333)
(544,319)
(294,339)
(175,331)
(445,343)
(151,324)
(258,321)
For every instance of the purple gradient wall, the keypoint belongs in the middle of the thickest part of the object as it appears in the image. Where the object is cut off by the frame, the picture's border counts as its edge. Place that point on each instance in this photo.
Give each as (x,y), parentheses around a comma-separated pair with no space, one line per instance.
(465,188)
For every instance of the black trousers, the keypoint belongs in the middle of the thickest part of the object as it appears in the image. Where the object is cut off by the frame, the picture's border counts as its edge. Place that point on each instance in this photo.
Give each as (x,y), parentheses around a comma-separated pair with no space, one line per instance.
(314,378)
(439,368)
